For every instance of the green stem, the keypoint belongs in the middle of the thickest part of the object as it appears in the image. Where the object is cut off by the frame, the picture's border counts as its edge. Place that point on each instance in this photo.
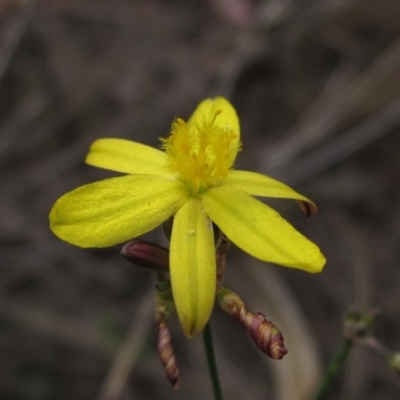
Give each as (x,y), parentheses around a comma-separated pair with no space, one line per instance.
(333,368)
(212,365)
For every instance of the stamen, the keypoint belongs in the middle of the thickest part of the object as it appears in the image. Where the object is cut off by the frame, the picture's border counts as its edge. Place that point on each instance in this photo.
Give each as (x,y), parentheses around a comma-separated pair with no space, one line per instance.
(217,112)
(200,151)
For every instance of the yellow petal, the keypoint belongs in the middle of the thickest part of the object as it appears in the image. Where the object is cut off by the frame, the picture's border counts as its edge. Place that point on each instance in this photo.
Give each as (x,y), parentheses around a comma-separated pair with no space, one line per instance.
(259,230)
(262,185)
(115,210)
(127,157)
(206,110)
(192,266)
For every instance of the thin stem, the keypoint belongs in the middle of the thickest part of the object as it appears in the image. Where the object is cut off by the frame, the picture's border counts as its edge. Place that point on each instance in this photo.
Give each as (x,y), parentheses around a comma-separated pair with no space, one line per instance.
(212,365)
(333,368)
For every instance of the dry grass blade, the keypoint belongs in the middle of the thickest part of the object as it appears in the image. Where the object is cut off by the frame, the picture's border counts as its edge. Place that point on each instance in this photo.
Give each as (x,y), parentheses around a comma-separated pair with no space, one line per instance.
(14,33)
(126,357)
(345,97)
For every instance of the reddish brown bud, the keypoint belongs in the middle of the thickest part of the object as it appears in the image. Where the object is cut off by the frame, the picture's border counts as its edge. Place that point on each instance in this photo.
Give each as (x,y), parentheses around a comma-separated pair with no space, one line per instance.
(147,255)
(166,354)
(164,311)
(264,333)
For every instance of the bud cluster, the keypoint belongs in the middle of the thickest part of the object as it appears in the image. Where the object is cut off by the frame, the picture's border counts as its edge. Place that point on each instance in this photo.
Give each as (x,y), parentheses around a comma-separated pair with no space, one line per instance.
(155,258)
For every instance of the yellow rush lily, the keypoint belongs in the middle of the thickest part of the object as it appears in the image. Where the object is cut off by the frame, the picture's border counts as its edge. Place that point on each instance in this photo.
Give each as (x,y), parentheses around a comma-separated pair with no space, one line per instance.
(191,179)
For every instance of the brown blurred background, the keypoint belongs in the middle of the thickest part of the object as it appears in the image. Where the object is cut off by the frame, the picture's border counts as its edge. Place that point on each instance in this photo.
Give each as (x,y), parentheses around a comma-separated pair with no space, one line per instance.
(317,86)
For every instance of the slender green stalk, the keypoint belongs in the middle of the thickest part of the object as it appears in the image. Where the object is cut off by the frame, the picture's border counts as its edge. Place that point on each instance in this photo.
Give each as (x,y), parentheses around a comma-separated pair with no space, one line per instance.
(212,365)
(333,368)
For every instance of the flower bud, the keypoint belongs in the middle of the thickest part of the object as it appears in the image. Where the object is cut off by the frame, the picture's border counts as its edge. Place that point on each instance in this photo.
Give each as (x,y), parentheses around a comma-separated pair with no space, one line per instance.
(147,255)
(166,354)
(264,333)
(165,348)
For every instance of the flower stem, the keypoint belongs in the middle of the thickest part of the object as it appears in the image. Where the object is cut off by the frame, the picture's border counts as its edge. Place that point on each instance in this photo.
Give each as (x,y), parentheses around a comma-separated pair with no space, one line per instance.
(333,368)
(212,365)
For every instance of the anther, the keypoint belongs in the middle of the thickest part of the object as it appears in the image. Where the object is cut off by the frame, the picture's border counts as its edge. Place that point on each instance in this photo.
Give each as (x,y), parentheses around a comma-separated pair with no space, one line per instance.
(216,113)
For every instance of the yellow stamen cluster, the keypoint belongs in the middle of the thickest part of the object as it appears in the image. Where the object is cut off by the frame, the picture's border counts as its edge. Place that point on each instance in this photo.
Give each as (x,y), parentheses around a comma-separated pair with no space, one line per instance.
(201,153)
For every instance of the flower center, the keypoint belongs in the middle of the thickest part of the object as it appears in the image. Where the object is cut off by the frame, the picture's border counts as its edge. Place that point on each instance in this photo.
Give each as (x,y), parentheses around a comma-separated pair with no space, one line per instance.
(201,152)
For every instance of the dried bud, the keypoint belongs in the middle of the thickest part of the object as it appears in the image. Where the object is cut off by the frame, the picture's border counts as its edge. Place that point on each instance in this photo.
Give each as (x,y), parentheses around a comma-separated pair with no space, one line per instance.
(164,311)
(147,255)
(166,354)
(264,333)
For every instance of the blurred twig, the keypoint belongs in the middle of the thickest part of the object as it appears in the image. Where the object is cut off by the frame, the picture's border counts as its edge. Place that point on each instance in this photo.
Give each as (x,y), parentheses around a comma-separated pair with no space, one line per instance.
(43,322)
(31,106)
(126,357)
(14,35)
(343,146)
(360,260)
(344,95)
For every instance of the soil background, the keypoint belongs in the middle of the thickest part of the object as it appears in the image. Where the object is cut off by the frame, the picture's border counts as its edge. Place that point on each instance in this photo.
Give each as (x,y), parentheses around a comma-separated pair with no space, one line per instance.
(316,84)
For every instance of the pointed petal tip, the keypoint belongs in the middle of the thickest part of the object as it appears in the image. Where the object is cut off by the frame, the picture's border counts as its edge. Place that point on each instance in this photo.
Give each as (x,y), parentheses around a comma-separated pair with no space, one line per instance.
(193,326)
(308,207)
(193,330)
(317,265)
(190,334)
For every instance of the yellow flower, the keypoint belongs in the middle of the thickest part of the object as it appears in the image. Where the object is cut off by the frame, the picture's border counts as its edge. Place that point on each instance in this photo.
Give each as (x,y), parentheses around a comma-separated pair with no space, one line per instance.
(192,180)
